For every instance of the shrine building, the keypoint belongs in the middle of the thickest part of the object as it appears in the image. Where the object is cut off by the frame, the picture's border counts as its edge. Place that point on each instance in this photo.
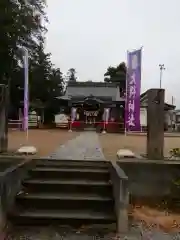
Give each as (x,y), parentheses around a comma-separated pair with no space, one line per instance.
(90,100)
(89,103)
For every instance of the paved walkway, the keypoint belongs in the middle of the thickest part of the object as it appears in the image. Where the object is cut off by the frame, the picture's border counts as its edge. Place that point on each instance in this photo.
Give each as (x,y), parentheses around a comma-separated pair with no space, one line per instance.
(84,147)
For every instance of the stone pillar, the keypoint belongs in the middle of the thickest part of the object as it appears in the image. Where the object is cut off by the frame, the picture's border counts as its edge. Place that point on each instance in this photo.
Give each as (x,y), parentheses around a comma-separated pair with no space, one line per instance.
(3,118)
(122,212)
(155,124)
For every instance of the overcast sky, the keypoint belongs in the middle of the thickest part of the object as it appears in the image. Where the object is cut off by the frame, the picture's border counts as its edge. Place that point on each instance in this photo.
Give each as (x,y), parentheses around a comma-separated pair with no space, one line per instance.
(90,35)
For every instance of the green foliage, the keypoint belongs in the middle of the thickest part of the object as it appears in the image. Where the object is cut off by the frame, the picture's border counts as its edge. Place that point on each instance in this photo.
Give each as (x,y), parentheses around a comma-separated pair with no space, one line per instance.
(116,74)
(175,152)
(22,24)
(71,75)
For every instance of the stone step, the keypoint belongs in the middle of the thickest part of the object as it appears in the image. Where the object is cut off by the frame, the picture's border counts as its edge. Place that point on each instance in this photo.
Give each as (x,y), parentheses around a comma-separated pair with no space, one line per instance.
(65,192)
(54,169)
(73,164)
(65,201)
(69,173)
(65,217)
(72,186)
(64,196)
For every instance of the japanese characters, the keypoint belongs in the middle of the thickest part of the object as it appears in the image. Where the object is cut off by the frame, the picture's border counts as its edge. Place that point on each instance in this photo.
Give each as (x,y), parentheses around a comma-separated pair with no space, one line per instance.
(133,81)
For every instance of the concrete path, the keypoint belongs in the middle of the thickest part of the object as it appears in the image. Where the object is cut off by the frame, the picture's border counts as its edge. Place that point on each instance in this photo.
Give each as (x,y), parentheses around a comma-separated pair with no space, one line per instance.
(84,147)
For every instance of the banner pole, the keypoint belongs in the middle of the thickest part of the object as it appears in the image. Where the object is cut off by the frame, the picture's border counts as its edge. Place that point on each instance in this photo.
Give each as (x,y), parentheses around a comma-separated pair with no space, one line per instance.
(70,127)
(104,123)
(26,149)
(125,109)
(71,119)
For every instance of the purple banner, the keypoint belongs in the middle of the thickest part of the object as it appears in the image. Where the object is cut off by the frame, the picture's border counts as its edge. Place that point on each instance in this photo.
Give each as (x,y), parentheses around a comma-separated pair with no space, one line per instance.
(26,92)
(133,86)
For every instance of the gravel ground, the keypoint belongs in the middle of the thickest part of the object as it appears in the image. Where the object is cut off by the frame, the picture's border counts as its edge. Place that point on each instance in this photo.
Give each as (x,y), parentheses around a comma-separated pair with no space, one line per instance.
(111,143)
(89,233)
(68,233)
(46,141)
(86,146)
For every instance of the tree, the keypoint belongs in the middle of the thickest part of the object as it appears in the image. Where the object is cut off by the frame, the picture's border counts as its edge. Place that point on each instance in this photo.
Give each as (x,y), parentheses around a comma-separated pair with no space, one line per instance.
(116,74)
(56,89)
(71,75)
(46,81)
(21,25)
(57,81)
(40,70)
(44,76)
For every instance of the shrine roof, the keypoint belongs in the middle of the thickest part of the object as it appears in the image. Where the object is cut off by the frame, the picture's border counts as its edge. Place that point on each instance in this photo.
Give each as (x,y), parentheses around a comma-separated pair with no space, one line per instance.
(97,89)
(143,99)
(35,104)
(91,84)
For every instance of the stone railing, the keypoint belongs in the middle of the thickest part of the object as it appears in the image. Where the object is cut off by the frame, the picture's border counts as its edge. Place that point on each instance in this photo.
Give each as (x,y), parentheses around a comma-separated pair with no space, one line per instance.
(10,185)
(121,196)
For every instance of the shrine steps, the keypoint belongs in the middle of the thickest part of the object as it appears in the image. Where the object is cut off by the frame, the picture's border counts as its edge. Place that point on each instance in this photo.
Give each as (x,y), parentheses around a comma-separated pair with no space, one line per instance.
(65,193)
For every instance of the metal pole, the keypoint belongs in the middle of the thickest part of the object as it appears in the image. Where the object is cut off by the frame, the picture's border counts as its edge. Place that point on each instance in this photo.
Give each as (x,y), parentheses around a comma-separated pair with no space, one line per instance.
(126,97)
(172,116)
(160,78)
(161,66)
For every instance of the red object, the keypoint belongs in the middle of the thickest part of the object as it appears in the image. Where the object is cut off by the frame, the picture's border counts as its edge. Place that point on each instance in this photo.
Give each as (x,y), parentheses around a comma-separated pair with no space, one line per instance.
(76,124)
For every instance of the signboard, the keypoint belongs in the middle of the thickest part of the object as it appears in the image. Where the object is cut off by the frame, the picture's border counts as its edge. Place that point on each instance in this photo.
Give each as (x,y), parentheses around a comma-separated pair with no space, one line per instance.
(91,113)
(143,117)
(33,119)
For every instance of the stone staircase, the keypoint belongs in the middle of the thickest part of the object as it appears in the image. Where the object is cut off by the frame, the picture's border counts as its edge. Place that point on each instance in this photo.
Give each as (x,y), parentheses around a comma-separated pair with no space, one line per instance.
(65,193)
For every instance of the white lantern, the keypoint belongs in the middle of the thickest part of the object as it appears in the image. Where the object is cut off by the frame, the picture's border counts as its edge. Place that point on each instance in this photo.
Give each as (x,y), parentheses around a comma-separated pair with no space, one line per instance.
(73,114)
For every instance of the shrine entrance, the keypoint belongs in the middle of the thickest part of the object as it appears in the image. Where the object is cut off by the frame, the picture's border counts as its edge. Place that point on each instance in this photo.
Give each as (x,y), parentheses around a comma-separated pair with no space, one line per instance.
(90,118)
(92,112)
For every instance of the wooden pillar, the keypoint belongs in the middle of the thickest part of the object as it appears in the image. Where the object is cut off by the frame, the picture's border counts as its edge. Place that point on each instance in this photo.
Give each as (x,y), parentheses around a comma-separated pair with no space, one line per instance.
(155,124)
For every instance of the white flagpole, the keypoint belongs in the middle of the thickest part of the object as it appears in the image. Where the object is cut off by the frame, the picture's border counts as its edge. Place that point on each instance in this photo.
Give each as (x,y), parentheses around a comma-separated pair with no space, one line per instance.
(104,123)
(125,129)
(26,149)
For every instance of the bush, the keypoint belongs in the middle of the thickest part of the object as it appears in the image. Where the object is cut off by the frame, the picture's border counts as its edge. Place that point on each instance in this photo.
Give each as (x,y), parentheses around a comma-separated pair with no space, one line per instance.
(175,152)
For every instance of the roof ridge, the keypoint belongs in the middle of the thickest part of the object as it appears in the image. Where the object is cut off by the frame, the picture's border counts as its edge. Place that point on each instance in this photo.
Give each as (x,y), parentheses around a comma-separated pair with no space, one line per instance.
(91,84)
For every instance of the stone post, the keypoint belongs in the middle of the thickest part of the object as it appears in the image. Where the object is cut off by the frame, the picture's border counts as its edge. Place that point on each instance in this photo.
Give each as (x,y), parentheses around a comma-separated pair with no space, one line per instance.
(6,104)
(122,212)
(121,197)
(155,124)
(3,118)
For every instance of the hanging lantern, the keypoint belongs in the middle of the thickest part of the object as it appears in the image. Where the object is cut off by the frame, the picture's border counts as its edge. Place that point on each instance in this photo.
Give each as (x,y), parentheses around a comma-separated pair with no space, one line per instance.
(106,115)
(73,114)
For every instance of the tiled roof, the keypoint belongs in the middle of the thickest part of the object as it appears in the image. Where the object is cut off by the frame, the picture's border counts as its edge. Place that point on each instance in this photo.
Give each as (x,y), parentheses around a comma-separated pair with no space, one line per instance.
(97,89)
(91,84)
(143,99)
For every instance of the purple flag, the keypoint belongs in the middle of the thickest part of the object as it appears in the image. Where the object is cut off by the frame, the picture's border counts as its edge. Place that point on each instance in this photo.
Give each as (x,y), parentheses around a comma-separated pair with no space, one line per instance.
(133,86)
(26,92)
